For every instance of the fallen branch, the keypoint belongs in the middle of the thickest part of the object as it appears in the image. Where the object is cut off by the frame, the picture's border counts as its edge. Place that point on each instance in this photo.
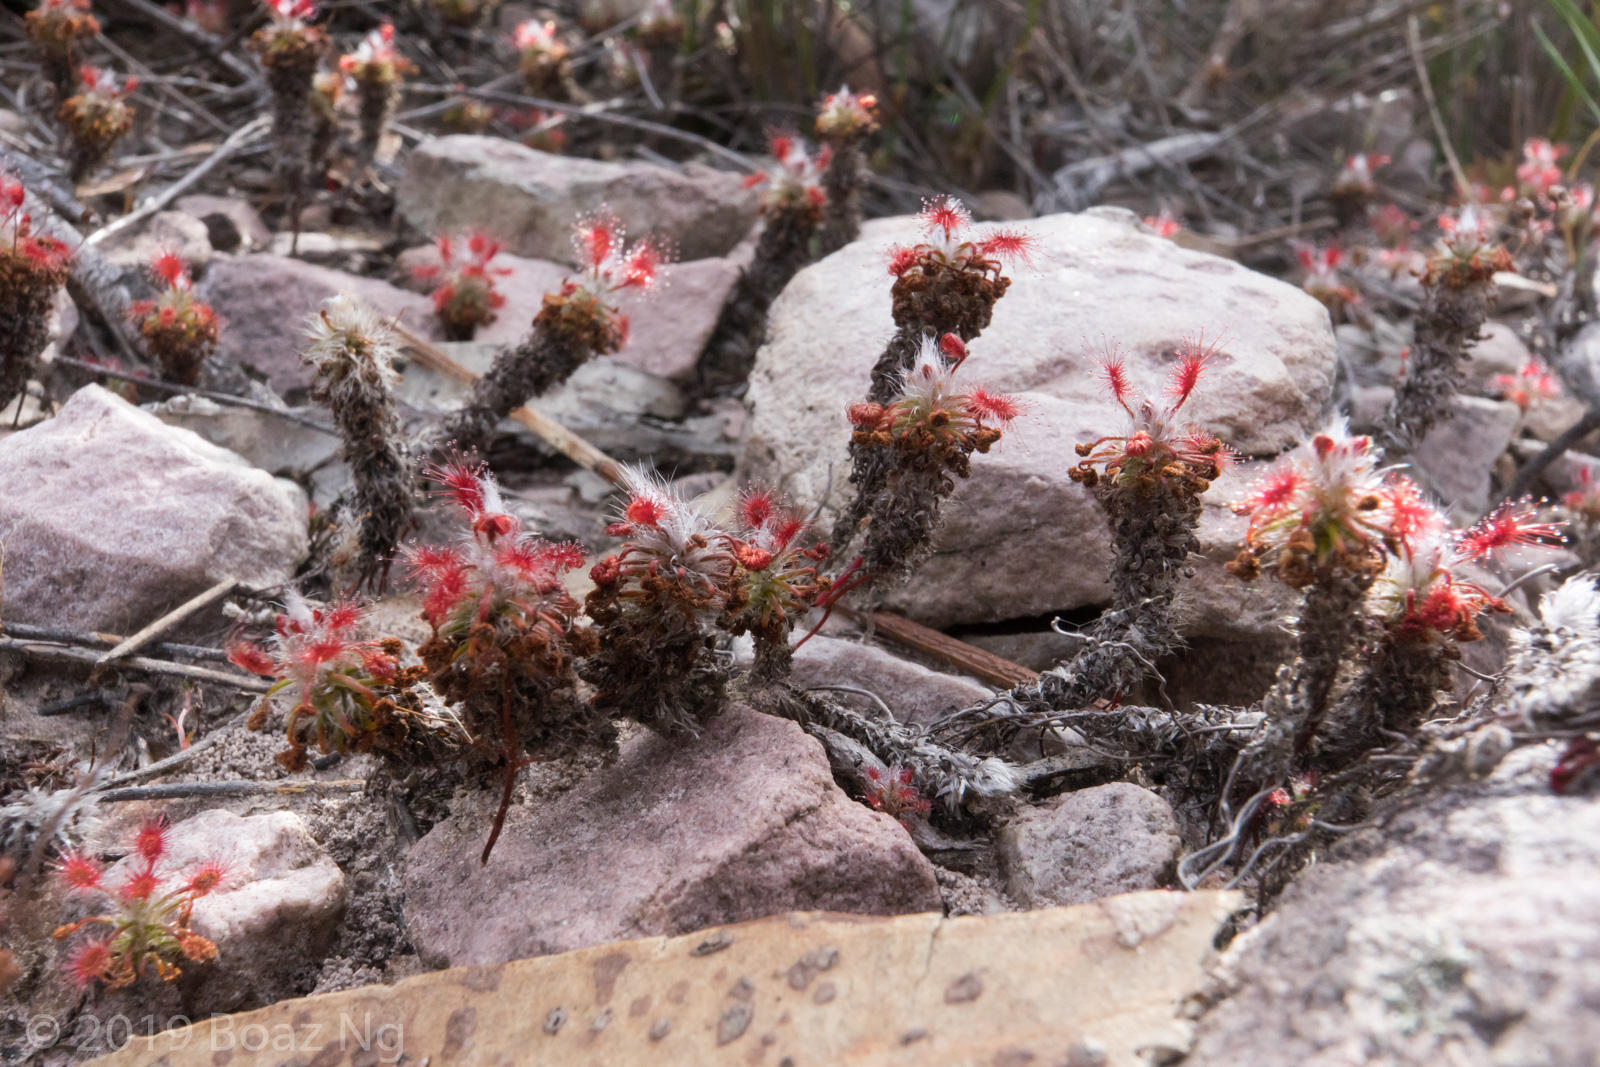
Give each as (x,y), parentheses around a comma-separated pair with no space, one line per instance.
(186,790)
(1522,484)
(71,654)
(1081,181)
(598,112)
(1414,43)
(177,759)
(167,621)
(221,398)
(235,141)
(969,659)
(569,444)
(75,637)
(211,45)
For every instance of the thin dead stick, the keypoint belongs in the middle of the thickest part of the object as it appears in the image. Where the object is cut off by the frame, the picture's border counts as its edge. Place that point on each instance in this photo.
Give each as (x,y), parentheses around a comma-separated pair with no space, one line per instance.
(169,387)
(211,45)
(985,666)
(549,430)
(72,654)
(250,131)
(1414,41)
(1522,484)
(185,790)
(167,621)
(177,759)
(76,637)
(596,112)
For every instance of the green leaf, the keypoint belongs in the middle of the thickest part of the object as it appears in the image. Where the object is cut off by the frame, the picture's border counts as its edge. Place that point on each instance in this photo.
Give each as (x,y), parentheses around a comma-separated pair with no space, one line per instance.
(1574,82)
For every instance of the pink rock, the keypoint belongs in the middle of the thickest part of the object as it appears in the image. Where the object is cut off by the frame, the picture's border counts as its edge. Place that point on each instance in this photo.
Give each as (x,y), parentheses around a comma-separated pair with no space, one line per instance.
(112,517)
(743,822)
(667,327)
(264,300)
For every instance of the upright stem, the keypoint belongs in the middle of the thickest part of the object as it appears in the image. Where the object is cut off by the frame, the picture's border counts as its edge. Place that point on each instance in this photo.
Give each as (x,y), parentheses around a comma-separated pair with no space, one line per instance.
(784,248)
(1328,625)
(540,363)
(841,218)
(508,732)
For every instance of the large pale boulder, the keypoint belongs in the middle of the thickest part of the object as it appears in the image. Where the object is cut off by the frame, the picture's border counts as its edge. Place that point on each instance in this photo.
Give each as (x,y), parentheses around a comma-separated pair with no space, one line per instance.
(530,199)
(110,517)
(1021,538)
(741,822)
(264,300)
(1464,930)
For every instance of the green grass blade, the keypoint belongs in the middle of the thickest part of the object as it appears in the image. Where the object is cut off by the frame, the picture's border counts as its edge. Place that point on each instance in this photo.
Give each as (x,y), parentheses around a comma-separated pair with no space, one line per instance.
(1574,82)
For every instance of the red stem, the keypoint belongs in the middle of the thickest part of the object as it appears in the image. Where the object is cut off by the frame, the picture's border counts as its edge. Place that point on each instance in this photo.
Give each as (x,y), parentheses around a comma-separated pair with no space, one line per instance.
(848,581)
(512,766)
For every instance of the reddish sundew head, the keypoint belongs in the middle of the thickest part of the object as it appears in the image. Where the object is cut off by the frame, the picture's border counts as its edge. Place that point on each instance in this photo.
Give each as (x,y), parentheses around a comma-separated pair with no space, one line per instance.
(1508,525)
(565,556)
(342,616)
(1194,356)
(527,558)
(1276,490)
(646,509)
(13,194)
(427,562)
(325,648)
(785,529)
(596,237)
(756,505)
(944,215)
(534,34)
(79,873)
(205,878)
(150,840)
(1411,515)
(996,408)
(1114,371)
(1164,224)
(142,884)
(642,264)
(462,481)
(1015,246)
(447,587)
(89,963)
(901,258)
(292,9)
(168,265)
(252,658)
(482,247)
